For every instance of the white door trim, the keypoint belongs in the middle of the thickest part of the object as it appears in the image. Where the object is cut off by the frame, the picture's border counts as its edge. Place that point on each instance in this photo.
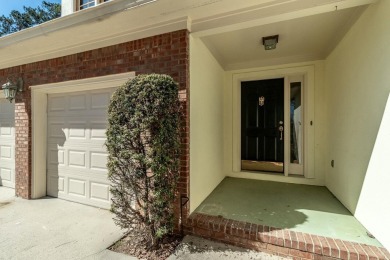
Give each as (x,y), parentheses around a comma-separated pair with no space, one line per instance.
(39,119)
(286,73)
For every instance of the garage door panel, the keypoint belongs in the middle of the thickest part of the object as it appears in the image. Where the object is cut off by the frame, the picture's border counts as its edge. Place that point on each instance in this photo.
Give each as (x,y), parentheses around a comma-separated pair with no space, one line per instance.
(99,100)
(84,174)
(97,144)
(56,130)
(55,185)
(77,102)
(77,158)
(92,191)
(77,154)
(98,130)
(7,129)
(94,158)
(77,131)
(85,101)
(6,176)
(98,114)
(6,109)
(69,129)
(6,152)
(7,144)
(56,156)
(77,187)
(60,157)
(98,160)
(57,103)
(100,191)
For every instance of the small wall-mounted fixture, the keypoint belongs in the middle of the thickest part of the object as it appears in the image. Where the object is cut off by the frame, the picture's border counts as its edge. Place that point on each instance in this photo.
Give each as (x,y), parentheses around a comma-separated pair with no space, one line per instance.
(10,88)
(270,42)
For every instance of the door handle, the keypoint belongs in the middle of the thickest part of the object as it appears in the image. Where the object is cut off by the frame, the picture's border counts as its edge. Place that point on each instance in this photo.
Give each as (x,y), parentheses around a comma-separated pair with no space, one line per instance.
(281,132)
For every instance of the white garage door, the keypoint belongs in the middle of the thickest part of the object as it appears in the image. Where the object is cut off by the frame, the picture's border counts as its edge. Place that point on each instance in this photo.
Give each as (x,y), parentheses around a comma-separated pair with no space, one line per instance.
(7,143)
(77,157)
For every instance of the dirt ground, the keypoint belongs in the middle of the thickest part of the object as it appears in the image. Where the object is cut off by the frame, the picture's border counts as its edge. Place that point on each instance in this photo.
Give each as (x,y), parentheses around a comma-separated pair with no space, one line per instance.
(134,246)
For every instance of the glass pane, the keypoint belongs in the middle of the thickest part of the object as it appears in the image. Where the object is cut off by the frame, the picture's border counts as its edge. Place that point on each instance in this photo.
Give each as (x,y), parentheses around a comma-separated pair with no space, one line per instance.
(83,2)
(296,123)
(86,3)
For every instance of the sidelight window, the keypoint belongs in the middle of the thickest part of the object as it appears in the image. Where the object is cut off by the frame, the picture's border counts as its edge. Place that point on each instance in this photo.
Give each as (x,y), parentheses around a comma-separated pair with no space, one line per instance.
(296,127)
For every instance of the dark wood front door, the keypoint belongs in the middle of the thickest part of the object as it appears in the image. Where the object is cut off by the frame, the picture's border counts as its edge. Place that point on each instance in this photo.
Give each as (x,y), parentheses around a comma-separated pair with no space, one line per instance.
(262,127)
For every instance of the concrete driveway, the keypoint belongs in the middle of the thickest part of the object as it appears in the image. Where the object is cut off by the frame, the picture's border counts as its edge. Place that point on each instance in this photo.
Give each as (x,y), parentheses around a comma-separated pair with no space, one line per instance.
(51,228)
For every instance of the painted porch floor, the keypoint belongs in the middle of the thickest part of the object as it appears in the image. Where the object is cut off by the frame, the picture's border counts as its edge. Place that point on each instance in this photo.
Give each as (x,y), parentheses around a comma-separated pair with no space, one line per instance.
(301,208)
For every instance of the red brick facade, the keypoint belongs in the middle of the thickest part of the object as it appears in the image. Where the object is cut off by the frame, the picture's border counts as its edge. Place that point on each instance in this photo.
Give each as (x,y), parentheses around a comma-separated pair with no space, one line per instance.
(167,54)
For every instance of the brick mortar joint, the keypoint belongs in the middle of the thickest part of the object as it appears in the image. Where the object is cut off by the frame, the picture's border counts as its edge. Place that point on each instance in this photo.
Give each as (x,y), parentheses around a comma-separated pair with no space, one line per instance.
(202,221)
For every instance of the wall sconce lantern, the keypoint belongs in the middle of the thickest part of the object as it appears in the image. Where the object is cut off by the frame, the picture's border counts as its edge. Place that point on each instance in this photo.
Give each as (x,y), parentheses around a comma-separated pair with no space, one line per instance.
(11,88)
(270,42)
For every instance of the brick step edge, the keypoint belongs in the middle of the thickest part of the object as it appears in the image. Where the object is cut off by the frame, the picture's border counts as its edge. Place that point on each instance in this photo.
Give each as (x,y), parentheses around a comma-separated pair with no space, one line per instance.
(282,242)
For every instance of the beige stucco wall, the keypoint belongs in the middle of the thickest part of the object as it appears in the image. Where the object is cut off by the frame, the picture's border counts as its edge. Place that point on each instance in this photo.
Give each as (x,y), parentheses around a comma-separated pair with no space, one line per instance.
(206,122)
(317,104)
(211,123)
(358,86)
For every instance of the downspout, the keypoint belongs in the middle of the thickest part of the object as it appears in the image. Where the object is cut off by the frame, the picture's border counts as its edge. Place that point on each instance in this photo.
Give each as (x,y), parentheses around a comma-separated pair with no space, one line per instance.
(183,201)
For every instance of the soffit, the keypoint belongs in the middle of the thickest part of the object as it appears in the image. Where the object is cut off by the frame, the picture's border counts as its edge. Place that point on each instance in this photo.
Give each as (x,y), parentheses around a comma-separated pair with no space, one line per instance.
(302,39)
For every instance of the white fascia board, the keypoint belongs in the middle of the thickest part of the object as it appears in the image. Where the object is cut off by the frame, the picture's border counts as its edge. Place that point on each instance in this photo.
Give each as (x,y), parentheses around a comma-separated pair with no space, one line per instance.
(268,14)
(83,16)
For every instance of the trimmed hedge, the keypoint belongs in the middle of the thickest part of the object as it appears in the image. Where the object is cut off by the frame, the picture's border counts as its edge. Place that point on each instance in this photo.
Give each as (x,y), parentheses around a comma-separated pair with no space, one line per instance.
(143,146)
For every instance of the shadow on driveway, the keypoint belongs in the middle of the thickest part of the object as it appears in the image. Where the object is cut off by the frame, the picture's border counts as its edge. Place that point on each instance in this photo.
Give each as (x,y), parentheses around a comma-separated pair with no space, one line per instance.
(53,229)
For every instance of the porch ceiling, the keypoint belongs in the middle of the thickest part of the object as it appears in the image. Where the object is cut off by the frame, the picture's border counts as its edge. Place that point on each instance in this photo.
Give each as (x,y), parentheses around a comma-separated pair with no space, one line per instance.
(302,39)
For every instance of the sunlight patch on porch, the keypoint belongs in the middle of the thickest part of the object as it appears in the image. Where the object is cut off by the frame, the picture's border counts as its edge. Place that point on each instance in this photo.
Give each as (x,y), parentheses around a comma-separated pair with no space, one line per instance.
(302,208)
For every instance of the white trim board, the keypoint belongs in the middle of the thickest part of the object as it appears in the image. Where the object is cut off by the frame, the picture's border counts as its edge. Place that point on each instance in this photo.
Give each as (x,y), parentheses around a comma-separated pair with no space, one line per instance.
(308,73)
(39,119)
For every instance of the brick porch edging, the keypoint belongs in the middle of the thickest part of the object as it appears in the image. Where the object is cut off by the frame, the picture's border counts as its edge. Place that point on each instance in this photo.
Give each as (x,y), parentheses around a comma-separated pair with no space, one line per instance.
(282,242)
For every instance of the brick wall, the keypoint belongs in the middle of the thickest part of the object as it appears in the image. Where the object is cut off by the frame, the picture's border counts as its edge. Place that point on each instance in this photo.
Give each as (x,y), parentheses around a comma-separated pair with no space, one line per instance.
(167,53)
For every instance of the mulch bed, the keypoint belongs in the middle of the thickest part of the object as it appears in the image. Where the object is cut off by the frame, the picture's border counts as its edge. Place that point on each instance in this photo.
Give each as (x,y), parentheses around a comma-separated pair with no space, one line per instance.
(135,246)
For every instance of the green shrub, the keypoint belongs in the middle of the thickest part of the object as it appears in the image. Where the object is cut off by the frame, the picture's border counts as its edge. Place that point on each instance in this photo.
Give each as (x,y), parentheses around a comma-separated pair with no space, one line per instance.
(143,147)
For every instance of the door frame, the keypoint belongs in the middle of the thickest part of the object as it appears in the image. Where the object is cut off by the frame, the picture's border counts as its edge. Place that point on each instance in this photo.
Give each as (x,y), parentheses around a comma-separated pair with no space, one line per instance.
(39,119)
(308,91)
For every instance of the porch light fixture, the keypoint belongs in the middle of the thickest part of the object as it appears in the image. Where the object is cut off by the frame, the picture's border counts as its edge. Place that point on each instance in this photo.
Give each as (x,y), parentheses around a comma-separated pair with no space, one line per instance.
(10,88)
(270,42)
